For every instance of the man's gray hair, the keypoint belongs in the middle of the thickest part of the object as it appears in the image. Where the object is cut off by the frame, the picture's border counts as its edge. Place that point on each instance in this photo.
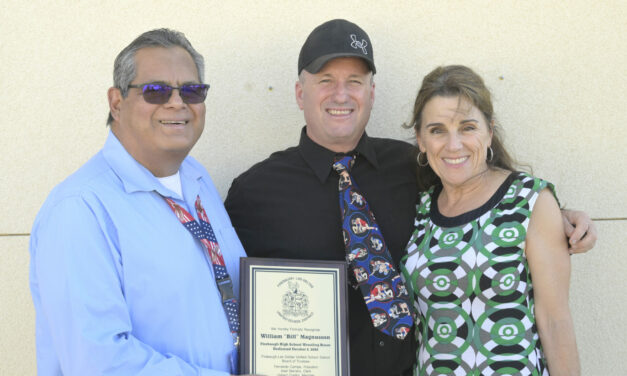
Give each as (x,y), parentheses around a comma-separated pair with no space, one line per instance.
(124,66)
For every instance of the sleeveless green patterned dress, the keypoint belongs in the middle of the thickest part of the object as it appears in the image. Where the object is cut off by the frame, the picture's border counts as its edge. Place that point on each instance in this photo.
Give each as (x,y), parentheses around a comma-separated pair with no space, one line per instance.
(472,286)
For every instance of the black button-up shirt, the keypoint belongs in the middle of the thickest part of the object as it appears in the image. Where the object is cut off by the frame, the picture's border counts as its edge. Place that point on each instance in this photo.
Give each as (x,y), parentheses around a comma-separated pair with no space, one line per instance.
(287,206)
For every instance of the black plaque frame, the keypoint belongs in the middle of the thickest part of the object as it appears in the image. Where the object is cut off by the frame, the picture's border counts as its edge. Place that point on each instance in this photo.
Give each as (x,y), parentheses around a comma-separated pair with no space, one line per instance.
(253,268)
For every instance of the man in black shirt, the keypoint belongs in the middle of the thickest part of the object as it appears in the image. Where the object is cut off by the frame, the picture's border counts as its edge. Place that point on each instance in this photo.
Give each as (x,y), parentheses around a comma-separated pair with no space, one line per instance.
(287,205)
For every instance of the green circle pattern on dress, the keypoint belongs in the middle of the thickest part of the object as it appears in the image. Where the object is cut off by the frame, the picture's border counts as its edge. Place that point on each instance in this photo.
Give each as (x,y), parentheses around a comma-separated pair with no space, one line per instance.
(473,289)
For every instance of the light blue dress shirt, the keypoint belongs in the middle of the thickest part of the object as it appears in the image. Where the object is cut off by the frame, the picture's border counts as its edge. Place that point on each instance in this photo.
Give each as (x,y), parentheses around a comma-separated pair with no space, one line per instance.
(120,287)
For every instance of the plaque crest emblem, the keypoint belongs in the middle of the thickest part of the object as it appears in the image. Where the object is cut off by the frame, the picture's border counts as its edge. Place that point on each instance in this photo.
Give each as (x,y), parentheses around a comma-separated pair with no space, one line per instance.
(295,303)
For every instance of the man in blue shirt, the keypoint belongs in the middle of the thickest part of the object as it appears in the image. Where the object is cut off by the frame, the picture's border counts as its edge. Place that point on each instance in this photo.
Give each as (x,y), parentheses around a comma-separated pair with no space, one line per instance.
(119,285)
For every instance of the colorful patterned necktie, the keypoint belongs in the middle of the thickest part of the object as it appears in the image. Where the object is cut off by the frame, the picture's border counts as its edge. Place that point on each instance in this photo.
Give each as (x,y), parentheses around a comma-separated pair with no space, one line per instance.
(384,291)
(204,232)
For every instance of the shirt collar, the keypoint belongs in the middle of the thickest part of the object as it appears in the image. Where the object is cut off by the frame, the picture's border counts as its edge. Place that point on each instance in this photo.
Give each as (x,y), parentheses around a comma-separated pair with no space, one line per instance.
(134,176)
(320,159)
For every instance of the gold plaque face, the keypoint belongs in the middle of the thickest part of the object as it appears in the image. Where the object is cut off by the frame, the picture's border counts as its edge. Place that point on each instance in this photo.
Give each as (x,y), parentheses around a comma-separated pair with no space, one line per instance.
(293,317)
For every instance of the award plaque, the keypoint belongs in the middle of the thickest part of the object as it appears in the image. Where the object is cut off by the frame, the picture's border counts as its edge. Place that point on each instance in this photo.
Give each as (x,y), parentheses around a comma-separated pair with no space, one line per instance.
(294,317)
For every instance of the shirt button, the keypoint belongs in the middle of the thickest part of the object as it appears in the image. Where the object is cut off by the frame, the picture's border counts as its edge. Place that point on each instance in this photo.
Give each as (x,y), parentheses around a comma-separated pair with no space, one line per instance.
(381,343)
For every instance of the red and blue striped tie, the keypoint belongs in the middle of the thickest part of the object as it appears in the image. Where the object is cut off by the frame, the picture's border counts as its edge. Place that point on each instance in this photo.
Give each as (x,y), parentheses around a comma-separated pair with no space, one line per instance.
(203,231)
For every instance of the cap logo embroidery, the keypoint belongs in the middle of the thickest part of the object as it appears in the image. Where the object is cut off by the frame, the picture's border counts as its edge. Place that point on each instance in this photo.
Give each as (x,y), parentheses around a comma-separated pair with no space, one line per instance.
(357,44)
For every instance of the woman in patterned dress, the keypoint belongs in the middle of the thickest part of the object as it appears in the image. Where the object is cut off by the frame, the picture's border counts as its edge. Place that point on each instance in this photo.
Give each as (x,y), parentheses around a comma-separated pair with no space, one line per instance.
(483,233)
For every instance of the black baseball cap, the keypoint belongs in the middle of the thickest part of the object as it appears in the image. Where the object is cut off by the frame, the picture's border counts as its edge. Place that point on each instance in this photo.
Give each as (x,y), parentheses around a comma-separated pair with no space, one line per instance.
(333,39)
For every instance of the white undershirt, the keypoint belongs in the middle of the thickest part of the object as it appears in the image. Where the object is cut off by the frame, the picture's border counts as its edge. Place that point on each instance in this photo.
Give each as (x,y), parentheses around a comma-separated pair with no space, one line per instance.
(173,183)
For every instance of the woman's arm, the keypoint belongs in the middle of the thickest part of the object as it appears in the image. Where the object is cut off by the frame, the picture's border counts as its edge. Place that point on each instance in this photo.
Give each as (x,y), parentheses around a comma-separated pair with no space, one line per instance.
(549,263)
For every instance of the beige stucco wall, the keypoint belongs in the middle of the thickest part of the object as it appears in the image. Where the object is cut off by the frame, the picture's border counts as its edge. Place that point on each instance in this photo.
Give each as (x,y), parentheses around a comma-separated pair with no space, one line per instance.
(556,69)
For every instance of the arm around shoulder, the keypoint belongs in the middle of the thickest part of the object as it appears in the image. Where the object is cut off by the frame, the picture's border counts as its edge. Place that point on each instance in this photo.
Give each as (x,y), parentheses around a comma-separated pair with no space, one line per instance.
(580,230)
(549,263)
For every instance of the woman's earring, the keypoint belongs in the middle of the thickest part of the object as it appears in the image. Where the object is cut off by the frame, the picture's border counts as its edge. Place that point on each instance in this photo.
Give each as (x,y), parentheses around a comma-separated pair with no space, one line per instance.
(426,160)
